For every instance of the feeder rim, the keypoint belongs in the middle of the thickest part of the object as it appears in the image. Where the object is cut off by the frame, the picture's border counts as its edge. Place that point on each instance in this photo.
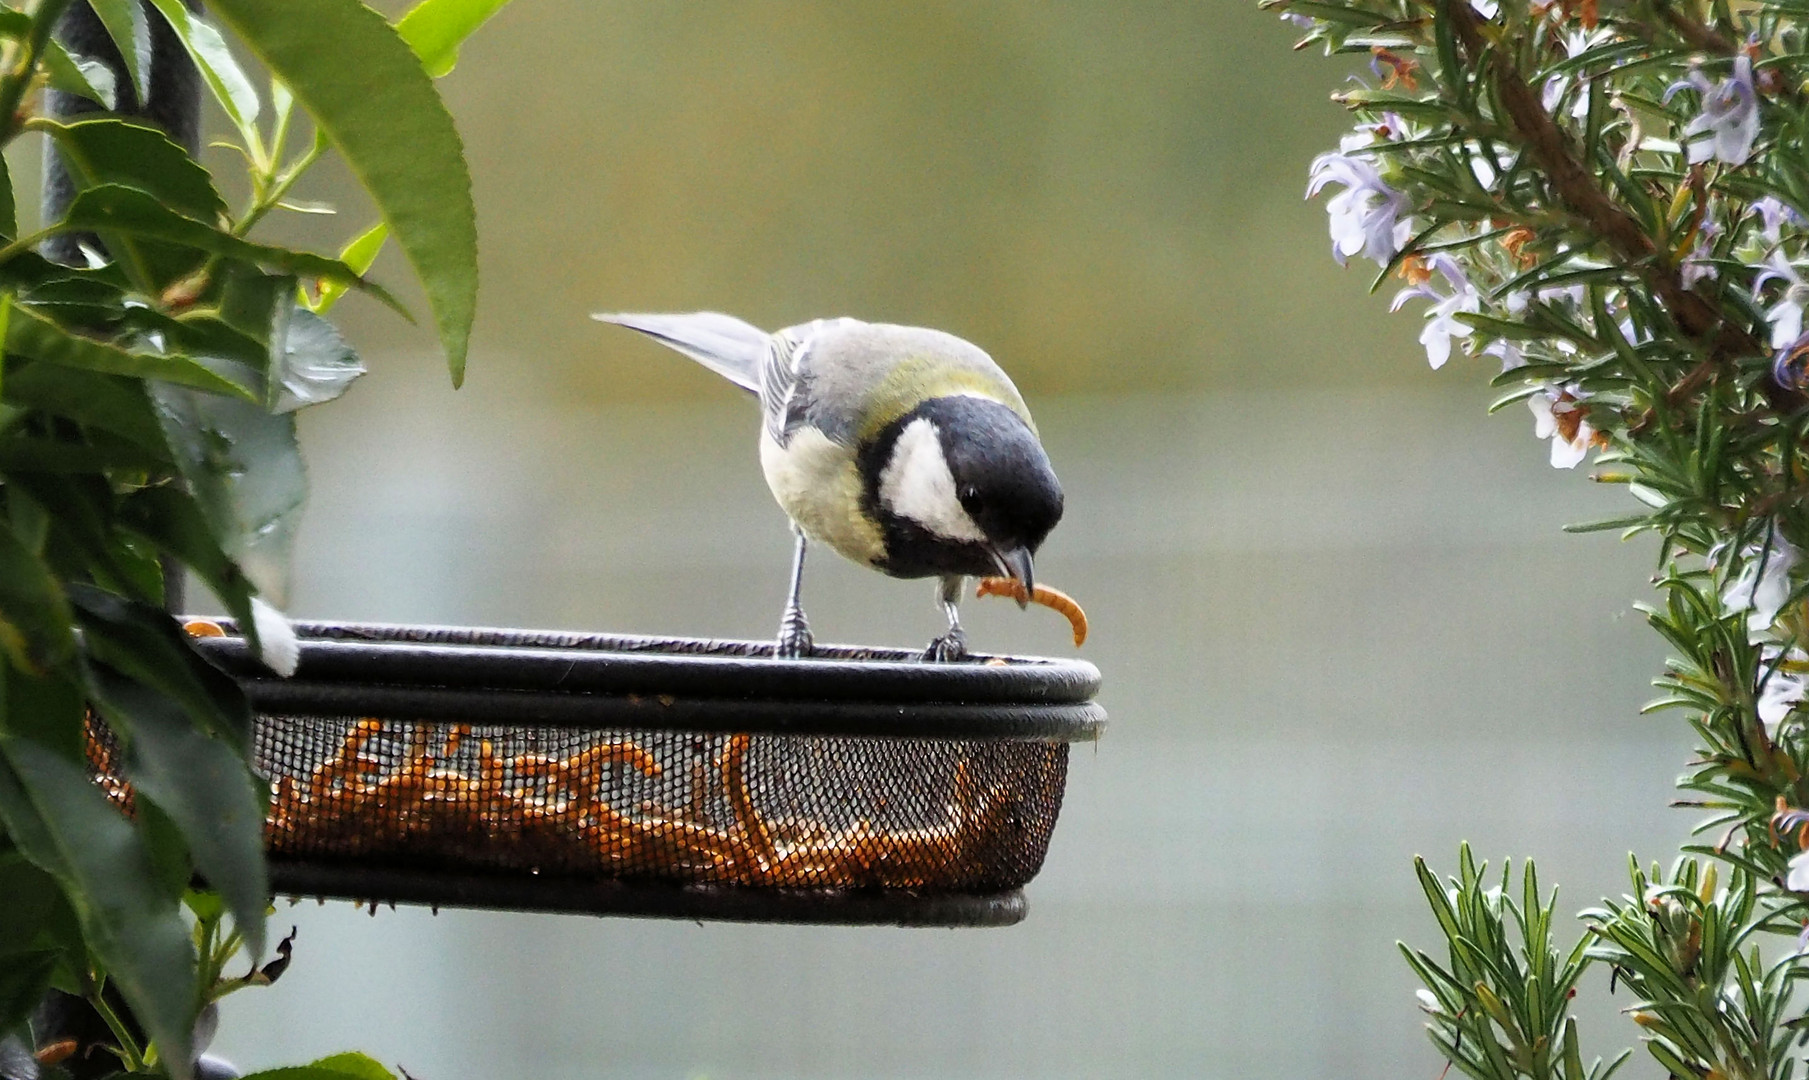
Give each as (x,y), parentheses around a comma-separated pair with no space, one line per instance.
(558,678)
(586,896)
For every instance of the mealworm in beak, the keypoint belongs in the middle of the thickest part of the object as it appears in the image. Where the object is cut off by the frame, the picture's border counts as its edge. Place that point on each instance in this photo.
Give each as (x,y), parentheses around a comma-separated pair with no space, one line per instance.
(1054,599)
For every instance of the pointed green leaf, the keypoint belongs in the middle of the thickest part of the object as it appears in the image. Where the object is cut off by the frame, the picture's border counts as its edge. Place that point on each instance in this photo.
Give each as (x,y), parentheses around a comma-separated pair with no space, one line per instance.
(245,469)
(203,785)
(110,150)
(131,33)
(316,364)
(84,78)
(360,255)
(30,333)
(352,1066)
(23,980)
(434,29)
(146,644)
(9,218)
(108,402)
(65,825)
(131,212)
(171,519)
(221,72)
(34,616)
(366,90)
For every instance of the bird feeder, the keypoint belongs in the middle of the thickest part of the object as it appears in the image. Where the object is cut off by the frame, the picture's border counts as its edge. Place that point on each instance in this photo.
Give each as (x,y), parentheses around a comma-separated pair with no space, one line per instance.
(543,771)
(550,771)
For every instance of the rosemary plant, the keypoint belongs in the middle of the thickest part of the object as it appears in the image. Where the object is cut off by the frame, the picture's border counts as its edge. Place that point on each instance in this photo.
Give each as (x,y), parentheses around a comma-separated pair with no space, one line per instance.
(1609,200)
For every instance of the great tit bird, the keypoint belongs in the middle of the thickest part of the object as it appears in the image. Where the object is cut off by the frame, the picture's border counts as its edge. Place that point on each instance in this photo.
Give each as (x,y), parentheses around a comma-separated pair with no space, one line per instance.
(904,449)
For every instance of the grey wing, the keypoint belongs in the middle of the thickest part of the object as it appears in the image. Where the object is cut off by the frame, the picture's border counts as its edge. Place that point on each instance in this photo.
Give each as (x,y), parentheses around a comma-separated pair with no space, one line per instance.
(779,397)
(786,375)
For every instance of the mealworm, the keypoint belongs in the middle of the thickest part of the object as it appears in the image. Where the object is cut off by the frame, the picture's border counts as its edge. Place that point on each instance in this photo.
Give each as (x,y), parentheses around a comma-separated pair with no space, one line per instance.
(741,800)
(1054,599)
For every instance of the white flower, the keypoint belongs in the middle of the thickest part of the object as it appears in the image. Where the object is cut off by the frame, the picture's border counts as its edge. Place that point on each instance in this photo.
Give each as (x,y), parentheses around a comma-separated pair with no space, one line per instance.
(1783,684)
(1368,217)
(1428,1001)
(1763,584)
(1485,8)
(1796,879)
(1785,316)
(1508,351)
(1442,323)
(277,645)
(1559,415)
(1728,124)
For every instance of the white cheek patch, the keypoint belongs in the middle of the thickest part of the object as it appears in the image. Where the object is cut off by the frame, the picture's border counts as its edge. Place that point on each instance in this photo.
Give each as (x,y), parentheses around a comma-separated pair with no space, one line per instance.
(916,484)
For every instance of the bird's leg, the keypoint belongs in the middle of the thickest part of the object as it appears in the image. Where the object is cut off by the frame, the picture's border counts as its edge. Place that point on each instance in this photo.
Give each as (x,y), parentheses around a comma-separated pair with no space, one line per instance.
(794,632)
(952,645)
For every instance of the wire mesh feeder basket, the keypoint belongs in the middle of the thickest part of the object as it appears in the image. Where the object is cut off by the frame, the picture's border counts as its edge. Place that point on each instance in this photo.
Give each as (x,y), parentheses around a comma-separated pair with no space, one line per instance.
(664,777)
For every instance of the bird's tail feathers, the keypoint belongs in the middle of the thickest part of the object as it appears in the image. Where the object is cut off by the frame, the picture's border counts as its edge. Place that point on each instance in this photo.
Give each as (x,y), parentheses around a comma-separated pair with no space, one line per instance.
(722,343)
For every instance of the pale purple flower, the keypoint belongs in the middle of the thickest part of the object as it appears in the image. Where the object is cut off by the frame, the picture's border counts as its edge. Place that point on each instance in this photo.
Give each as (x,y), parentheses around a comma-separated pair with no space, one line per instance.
(1301,21)
(1485,8)
(1559,415)
(1698,265)
(1763,584)
(1368,217)
(1728,124)
(1775,213)
(1442,322)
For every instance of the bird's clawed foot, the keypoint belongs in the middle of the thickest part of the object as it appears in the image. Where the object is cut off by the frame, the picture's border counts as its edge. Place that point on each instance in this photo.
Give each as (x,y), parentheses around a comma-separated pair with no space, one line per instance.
(795,641)
(948,648)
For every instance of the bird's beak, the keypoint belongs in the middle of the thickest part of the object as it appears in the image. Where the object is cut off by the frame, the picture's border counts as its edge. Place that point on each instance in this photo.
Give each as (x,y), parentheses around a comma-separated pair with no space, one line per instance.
(1014,563)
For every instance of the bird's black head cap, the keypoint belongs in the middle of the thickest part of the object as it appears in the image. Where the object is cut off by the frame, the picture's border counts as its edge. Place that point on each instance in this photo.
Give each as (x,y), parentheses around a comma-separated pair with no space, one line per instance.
(1002,480)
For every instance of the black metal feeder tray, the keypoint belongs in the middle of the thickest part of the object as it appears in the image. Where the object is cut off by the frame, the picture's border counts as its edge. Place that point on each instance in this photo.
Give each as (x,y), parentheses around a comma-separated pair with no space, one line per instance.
(548,771)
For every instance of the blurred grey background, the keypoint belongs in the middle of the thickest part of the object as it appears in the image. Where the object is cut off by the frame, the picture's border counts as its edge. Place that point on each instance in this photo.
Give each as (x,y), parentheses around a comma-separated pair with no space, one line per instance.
(1337,620)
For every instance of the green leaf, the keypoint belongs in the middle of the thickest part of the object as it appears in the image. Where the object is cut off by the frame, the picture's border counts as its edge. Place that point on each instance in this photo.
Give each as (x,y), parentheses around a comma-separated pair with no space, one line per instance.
(145,644)
(109,150)
(9,219)
(50,710)
(34,616)
(316,364)
(30,333)
(131,33)
(360,255)
(108,402)
(31,900)
(434,29)
(131,212)
(205,787)
(353,1066)
(65,825)
(221,72)
(171,519)
(244,467)
(23,980)
(368,93)
(84,78)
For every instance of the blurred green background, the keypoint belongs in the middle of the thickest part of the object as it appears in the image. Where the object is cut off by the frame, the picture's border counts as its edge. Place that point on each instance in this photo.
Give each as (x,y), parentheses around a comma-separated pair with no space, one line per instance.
(1337,620)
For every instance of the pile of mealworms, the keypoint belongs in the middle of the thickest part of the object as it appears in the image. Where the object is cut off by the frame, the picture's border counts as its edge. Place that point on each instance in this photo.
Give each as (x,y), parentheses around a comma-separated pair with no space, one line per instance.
(537,810)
